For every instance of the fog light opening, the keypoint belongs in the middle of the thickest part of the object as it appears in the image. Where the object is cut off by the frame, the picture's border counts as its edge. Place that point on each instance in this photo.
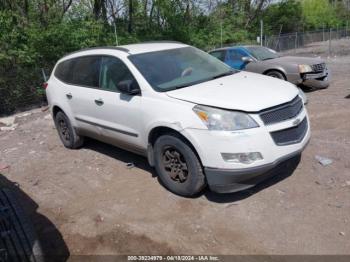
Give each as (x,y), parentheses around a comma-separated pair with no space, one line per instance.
(244,158)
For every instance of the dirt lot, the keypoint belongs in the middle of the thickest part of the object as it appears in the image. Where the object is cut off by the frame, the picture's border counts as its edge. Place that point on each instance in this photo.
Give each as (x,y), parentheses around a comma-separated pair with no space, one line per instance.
(88,202)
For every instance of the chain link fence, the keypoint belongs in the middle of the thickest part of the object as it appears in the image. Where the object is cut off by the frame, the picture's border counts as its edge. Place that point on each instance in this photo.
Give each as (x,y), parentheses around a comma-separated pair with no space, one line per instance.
(20,89)
(294,41)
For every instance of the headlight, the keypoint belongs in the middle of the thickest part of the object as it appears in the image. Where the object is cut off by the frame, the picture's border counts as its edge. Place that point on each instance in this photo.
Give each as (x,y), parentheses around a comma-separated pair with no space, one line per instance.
(224,120)
(305,69)
(302,95)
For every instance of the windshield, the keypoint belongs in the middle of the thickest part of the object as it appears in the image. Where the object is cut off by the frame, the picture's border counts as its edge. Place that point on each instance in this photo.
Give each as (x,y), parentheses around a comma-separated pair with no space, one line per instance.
(177,68)
(262,53)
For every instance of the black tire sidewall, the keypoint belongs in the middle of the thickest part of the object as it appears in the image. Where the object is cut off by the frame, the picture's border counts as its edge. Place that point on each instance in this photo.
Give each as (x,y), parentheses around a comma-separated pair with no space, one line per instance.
(195,181)
(276,74)
(69,144)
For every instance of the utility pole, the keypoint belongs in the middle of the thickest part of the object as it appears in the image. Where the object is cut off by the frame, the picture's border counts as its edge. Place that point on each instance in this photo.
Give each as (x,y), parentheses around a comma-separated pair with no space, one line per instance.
(221,33)
(261,31)
(115,34)
(323,33)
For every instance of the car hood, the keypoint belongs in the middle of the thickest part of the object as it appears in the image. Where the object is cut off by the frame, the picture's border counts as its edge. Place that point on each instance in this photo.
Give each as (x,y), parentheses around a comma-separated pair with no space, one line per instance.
(295,60)
(243,91)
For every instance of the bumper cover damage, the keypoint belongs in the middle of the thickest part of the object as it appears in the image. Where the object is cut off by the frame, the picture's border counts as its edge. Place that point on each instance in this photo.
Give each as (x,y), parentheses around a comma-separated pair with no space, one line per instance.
(233,180)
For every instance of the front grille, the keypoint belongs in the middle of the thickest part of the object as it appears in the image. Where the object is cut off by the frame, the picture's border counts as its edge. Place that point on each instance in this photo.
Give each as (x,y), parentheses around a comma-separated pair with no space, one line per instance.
(291,135)
(282,112)
(318,67)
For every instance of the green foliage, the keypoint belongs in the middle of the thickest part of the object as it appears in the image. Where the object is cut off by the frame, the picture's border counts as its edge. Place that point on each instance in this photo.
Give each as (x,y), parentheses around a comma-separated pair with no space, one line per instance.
(319,13)
(36,35)
(287,13)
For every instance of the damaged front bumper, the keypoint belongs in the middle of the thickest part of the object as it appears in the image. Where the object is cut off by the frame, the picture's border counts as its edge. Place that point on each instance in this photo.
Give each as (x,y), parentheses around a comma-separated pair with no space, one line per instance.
(317,80)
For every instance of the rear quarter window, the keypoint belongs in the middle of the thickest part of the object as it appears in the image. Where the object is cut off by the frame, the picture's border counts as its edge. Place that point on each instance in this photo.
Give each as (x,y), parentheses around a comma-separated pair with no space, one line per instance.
(86,71)
(81,71)
(219,55)
(63,71)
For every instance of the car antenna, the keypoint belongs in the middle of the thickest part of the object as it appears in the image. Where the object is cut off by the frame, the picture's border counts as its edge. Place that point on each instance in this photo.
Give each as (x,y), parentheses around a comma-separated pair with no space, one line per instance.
(44,74)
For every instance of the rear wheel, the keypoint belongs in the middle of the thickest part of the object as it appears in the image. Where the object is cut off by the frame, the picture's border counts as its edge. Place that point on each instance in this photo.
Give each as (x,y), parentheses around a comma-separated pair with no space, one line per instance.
(276,74)
(178,167)
(66,132)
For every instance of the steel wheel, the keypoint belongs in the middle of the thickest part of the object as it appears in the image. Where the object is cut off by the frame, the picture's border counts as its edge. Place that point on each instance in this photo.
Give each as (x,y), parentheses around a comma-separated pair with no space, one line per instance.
(175,164)
(63,129)
(66,132)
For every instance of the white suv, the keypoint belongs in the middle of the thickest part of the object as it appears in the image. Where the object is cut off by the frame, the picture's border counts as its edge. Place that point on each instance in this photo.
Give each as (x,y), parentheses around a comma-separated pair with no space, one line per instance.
(196,120)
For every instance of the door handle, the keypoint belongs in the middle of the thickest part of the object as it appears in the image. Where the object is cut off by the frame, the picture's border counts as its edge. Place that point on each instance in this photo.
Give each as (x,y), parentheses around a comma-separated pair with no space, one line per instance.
(69,96)
(99,102)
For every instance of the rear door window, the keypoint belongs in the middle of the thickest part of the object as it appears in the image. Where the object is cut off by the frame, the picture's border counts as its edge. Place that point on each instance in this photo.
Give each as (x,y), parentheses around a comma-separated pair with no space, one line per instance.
(86,71)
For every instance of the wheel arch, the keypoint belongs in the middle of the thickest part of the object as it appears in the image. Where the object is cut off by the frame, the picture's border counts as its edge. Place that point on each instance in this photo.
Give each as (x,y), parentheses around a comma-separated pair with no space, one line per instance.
(55,110)
(158,131)
(279,70)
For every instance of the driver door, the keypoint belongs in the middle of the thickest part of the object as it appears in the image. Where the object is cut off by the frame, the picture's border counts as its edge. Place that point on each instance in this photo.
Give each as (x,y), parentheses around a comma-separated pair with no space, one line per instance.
(234,59)
(119,114)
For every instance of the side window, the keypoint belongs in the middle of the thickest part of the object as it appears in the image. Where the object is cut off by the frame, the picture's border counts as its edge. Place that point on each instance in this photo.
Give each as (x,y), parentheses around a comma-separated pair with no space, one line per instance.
(113,71)
(86,71)
(219,55)
(236,55)
(63,71)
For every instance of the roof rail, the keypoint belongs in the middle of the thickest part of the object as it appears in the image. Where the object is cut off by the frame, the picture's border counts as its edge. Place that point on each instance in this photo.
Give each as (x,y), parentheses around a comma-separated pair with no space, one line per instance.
(158,41)
(99,47)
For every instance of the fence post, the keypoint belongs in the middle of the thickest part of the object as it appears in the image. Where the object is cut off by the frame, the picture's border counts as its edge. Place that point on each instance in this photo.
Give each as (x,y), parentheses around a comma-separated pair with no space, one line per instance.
(323,34)
(346,29)
(337,32)
(261,32)
(329,42)
(296,42)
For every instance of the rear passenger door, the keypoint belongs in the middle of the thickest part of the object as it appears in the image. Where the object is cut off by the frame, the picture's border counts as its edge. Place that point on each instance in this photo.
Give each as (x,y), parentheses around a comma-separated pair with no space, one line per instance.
(83,82)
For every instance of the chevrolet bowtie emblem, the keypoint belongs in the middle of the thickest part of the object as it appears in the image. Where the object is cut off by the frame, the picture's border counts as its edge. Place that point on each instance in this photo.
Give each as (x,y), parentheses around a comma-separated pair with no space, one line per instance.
(296,122)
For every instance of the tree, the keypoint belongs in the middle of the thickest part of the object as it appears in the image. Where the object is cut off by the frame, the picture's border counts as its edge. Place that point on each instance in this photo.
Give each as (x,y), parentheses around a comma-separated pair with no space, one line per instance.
(317,13)
(287,13)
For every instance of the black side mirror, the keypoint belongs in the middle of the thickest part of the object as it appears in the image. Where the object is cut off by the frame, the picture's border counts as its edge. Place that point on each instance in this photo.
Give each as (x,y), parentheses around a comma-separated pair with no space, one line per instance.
(129,87)
(247,59)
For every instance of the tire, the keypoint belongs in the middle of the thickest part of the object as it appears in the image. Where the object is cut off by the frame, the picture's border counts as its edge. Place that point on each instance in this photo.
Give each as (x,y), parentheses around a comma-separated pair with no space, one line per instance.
(66,132)
(18,240)
(188,178)
(276,74)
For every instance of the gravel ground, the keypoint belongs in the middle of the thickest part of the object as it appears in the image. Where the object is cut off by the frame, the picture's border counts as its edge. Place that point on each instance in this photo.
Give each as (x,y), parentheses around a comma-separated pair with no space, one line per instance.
(88,202)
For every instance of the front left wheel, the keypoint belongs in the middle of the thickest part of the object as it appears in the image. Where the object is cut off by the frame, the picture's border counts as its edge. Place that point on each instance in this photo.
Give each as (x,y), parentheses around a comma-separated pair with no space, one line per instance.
(276,74)
(177,165)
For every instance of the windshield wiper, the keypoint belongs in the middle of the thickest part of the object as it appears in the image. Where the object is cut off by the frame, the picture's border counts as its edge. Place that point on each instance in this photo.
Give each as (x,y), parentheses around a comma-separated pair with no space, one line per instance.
(180,86)
(202,80)
(224,74)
